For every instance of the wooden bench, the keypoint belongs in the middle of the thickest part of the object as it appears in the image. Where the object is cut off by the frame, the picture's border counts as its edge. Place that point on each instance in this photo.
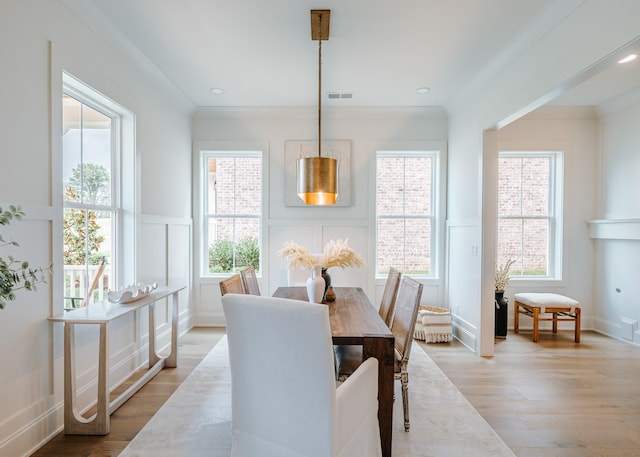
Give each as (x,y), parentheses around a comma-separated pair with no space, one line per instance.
(535,304)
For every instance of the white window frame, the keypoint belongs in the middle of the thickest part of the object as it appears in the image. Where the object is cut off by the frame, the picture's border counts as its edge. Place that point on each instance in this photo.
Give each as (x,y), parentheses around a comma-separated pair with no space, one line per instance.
(204,154)
(123,178)
(555,213)
(435,204)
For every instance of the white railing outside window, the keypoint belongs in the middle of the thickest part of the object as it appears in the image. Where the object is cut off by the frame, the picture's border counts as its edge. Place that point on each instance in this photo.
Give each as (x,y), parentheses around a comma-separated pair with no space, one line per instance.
(77,279)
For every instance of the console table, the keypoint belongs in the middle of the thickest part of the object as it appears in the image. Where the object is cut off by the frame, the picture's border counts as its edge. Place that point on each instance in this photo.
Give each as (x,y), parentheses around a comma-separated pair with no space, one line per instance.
(102,314)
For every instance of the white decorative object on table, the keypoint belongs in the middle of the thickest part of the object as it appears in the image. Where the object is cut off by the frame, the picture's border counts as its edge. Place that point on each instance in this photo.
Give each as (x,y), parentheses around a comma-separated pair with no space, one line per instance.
(315,285)
(131,293)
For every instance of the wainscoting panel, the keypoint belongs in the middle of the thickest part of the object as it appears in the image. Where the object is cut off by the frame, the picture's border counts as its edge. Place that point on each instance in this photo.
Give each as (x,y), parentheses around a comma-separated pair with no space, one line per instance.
(165,256)
(462,277)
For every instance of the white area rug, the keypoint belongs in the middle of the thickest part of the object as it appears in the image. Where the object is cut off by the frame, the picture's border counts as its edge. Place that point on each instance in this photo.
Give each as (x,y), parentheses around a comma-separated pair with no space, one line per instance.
(196,420)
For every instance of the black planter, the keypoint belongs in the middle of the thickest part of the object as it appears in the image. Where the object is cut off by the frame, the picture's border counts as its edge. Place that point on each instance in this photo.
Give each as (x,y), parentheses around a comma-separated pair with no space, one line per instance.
(327,281)
(501,314)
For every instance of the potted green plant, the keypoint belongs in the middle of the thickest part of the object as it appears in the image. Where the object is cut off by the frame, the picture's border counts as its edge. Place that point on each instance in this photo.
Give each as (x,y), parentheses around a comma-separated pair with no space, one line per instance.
(16,274)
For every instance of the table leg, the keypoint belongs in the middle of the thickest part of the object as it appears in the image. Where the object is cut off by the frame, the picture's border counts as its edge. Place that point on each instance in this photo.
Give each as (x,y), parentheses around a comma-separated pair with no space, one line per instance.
(102,414)
(99,423)
(153,355)
(171,361)
(69,379)
(381,347)
(172,358)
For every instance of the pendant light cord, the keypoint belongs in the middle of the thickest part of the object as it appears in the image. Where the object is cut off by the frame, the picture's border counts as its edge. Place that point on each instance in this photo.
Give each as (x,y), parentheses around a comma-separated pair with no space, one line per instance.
(320,97)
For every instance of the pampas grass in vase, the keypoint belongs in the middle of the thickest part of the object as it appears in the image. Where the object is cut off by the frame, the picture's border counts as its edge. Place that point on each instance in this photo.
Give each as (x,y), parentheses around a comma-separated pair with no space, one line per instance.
(336,253)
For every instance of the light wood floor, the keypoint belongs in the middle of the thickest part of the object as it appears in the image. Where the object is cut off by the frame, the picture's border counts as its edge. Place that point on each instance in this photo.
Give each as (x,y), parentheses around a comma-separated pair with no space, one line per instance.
(554,398)
(129,419)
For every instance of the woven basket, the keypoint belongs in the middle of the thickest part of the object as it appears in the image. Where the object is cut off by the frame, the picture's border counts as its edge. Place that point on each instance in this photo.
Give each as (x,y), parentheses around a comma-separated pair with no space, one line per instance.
(433,309)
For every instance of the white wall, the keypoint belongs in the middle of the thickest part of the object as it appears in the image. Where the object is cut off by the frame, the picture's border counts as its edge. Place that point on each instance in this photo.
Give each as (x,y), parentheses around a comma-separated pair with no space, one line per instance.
(368,130)
(38,40)
(617,253)
(575,132)
(546,58)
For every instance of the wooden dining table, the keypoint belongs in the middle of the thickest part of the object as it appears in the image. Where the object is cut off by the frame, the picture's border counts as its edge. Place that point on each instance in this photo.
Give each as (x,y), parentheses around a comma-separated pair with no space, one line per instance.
(355,321)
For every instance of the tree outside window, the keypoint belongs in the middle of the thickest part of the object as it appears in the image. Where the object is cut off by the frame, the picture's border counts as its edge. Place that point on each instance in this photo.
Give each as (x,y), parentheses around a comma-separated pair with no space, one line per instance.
(89,213)
(82,235)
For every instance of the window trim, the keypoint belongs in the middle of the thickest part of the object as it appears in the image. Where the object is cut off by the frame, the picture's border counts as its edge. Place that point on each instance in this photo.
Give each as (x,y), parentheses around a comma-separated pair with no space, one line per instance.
(435,153)
(555,205)
(124,193)
(204,151)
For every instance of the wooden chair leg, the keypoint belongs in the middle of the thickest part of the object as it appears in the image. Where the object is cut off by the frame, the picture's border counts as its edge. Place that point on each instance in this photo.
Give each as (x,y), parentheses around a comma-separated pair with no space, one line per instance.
(516,317)
(555,322)
(577,331)
(404,379)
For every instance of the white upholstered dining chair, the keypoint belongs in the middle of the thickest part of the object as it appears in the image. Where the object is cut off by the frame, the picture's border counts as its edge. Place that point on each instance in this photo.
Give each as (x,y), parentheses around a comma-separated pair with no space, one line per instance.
(284,399)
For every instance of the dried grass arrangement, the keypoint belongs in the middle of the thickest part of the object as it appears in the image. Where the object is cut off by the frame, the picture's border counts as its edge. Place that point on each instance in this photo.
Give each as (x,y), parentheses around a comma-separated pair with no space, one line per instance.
(502,275)
(336,253)
(339,254)
(297,256)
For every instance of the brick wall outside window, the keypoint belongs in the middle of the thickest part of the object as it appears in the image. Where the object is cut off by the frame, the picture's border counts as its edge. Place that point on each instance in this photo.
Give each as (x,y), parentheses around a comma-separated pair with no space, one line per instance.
(524,219)
(234,197)
(403,210)
(403,196)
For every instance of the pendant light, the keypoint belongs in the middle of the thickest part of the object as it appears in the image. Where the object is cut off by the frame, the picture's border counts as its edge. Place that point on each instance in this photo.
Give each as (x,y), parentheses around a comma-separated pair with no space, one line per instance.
(317,176)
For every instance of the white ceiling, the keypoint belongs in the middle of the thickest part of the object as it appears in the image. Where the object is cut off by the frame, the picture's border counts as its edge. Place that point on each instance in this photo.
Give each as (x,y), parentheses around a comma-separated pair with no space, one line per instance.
(261,53)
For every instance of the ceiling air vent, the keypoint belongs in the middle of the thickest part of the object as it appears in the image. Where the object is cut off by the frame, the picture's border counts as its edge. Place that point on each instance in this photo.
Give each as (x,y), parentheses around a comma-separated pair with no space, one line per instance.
(339,95)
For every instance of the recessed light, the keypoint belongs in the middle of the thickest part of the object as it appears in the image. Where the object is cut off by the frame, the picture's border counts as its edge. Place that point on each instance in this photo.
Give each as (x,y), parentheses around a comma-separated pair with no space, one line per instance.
(216,90)
(629,58)
(423,90)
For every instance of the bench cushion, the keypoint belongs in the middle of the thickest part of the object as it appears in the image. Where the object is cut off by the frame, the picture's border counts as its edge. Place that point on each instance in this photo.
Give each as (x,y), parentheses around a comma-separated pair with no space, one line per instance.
(544,300)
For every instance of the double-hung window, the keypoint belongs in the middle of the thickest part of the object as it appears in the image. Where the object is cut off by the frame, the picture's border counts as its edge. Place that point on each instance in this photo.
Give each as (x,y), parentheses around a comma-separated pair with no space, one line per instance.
(90,147)
(232,210)
(530,213)
(405,211)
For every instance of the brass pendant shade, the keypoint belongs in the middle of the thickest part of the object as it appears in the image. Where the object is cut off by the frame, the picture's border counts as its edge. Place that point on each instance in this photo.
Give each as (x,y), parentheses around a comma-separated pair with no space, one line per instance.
(317,184)
(317,176)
